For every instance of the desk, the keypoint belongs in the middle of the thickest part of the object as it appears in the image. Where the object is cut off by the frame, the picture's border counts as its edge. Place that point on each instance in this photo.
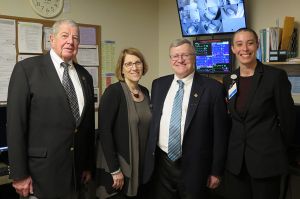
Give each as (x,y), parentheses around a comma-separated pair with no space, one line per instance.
(291,183)
(4,179)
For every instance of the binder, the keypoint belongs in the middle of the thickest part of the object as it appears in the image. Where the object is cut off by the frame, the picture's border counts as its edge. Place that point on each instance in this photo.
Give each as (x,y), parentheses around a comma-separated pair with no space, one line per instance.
(265,43)
(293,45)
(275,37)
(262,44)
(268,45)
(288,28)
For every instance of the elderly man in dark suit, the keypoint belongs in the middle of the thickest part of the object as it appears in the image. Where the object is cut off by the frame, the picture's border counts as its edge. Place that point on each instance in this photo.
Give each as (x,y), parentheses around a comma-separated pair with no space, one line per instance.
(190,147)
(50,120)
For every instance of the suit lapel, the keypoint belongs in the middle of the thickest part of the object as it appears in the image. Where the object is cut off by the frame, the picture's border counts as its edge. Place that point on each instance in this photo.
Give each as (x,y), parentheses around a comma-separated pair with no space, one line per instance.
(161,93)
(84,86)
(232,100)
(195,96)
(256,80)
(54,80)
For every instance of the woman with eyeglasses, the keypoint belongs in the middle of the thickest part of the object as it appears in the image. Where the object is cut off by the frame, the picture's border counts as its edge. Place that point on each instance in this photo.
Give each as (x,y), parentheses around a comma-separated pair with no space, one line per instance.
(124,117)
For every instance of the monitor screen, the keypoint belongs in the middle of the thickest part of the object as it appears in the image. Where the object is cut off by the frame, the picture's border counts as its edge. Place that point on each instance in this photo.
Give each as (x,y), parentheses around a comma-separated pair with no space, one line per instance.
(205,17)
(3,144)
(213,56)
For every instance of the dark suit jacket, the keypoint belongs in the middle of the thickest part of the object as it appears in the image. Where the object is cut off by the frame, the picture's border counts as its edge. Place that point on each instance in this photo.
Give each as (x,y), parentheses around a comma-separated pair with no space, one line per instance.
(43,139)
(261,134)
(205,132)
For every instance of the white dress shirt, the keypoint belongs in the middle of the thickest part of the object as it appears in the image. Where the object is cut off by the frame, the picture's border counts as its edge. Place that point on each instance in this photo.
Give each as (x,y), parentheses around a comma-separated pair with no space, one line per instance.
(73,75)
(167,110)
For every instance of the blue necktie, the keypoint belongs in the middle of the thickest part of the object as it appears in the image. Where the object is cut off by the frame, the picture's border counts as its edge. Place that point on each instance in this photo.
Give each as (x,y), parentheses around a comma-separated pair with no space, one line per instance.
(174,145)
(70,91)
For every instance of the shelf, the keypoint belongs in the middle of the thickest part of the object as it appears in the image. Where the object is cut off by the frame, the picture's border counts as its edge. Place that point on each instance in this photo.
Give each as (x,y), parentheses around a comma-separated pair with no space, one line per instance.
(292,68)
(282,63)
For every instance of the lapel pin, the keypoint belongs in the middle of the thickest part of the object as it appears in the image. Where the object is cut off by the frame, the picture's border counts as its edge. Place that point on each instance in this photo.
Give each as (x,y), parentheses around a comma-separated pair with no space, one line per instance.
(233,76)
(195,95)
(83,78)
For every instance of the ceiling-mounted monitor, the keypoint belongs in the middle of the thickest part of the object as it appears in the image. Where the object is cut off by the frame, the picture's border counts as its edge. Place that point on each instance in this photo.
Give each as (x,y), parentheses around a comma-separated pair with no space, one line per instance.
(206,17)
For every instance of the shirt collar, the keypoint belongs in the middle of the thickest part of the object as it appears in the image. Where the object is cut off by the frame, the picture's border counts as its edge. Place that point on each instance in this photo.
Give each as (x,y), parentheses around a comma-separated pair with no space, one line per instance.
(185,80)
(57,60)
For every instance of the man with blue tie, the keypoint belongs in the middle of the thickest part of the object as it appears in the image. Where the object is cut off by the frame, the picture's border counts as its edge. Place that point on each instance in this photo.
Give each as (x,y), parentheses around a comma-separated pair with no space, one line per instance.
(188,135)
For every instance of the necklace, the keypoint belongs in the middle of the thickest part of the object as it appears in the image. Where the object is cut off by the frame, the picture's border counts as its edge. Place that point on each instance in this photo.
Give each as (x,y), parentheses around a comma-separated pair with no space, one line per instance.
(136,95)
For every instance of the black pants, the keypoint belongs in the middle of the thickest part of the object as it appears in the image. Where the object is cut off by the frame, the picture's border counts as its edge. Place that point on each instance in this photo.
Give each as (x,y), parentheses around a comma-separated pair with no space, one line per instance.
(70,196)
(143,193)
(243,186)
(167,182)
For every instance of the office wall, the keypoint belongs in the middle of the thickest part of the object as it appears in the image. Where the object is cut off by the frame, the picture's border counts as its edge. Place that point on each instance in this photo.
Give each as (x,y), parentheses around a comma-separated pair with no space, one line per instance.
(261,14)
(128,22)
(149,25)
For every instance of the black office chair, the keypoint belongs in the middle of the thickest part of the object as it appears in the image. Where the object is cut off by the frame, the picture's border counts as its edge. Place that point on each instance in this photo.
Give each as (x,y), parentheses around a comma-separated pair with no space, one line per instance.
(294,157)
(293,170)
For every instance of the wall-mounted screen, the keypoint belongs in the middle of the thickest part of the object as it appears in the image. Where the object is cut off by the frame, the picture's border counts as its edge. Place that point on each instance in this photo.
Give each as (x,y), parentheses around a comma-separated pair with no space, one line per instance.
(213,56)
(205,17)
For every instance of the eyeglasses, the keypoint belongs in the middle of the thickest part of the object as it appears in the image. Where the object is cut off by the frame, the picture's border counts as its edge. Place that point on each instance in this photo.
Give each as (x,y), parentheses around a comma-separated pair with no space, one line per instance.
(183,56)
(129,65)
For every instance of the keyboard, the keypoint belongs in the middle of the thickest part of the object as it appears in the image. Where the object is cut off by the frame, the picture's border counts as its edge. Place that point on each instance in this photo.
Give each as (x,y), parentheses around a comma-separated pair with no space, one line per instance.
(4,170)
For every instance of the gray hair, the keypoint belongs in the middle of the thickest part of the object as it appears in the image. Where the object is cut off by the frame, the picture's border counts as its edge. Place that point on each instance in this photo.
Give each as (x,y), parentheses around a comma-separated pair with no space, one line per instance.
(57,24)
(181,41)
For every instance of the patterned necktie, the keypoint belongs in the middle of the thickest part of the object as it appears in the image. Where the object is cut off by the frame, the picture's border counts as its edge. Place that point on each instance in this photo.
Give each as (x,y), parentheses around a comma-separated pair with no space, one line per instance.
(70,91)
(174,145)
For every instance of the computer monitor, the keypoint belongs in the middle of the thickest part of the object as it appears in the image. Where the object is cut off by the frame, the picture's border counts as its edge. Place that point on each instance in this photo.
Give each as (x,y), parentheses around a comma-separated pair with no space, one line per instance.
(3,143)
(213,56)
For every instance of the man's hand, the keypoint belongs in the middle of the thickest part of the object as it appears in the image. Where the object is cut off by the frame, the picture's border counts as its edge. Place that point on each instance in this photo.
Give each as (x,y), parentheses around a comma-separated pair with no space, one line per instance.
(23,187)
(213,181)
(118,179)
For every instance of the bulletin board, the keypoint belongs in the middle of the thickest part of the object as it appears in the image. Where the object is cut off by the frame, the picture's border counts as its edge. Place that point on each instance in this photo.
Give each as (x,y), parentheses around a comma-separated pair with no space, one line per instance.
(89,52)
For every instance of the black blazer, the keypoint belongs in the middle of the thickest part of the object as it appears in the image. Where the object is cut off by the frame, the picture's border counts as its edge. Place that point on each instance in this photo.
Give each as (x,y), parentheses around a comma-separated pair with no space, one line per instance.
(113,125)
(205,132)
(114,132)
(43,139)
(260,136)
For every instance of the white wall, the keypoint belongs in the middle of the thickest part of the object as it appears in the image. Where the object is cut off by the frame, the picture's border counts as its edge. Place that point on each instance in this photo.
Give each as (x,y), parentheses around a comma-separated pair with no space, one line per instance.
(168,30)
(260,14)
(263,13)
